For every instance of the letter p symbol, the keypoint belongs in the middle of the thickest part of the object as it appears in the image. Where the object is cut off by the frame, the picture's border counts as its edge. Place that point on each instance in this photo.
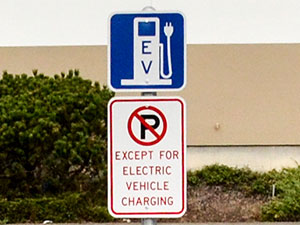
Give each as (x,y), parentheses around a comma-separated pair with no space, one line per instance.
(154,125)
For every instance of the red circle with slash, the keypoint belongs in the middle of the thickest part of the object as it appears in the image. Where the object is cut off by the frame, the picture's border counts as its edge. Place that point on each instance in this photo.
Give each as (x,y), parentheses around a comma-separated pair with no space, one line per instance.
(158,137)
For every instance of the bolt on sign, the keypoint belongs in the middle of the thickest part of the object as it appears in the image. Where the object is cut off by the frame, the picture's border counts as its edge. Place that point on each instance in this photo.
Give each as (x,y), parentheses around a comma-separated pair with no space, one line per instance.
(146,153)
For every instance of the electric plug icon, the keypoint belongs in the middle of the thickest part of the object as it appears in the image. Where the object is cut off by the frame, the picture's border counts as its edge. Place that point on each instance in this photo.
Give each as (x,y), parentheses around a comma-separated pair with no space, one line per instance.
(168,29)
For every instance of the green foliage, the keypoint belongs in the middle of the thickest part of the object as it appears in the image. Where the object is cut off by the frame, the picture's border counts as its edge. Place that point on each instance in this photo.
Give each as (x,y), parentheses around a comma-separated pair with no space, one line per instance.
(243,179)
(53,143)
(52,135)
(64,208)
(286,205)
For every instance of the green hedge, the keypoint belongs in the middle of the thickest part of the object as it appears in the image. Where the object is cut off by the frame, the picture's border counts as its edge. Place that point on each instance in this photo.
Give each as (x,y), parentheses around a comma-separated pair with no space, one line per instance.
(243,179)
(284,207)
(52,134)
(91,206)
(53,143)
(74,207)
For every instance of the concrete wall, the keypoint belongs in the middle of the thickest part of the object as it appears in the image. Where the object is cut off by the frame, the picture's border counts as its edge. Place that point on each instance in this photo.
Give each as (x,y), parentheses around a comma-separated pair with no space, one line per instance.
(91,60)
(236,95)
(243,94)
(259,158)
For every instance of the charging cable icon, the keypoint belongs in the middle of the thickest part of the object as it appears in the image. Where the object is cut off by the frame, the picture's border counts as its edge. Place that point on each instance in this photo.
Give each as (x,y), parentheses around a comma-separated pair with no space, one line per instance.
(149,63)
(168,30)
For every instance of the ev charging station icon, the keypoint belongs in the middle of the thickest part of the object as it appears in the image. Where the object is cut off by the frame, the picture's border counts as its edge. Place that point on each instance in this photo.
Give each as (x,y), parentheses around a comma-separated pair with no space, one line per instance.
(147,52)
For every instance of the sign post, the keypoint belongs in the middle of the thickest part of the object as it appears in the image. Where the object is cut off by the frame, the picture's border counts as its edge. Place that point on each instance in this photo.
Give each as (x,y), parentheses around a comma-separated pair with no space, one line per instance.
(146,135)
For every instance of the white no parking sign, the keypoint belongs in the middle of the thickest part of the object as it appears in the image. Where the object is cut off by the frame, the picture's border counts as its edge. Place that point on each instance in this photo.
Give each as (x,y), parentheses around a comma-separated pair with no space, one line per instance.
(146,156)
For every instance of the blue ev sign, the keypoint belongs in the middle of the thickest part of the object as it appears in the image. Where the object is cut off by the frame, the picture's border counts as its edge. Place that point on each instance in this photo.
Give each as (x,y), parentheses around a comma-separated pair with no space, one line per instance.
(147,51)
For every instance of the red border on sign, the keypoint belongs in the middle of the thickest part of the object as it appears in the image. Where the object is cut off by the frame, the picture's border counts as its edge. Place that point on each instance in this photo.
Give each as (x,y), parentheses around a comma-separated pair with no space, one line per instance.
(183,159)
(136,115)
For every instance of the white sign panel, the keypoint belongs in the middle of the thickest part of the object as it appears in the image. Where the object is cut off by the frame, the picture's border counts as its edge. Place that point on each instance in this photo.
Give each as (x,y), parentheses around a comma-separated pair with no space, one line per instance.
(146,157)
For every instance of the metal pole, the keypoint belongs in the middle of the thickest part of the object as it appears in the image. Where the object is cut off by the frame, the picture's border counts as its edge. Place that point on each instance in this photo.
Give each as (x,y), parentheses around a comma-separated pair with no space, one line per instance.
(148,8)
(148,221)
(149,94)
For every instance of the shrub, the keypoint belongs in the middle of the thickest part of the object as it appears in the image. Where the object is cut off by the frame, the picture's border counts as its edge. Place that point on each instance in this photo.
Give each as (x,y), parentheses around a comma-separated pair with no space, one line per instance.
(243,179)
(52,134)
(64,208)
(286,205)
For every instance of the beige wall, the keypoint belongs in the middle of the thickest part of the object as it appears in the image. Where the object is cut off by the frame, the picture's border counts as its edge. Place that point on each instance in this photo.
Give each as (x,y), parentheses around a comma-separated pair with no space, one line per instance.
(91,60)
(258,158)
(235,94)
